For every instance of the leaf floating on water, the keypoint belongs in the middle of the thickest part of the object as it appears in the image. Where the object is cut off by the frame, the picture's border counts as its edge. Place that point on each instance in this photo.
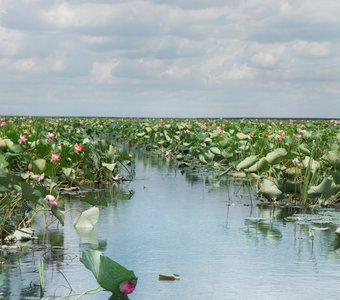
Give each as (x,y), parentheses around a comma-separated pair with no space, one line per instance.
(291,219)
(88,218)
(168,277)
(320,228)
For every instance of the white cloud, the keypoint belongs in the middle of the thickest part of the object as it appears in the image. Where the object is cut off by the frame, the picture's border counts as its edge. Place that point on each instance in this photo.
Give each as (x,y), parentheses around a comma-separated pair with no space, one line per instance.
(101,72)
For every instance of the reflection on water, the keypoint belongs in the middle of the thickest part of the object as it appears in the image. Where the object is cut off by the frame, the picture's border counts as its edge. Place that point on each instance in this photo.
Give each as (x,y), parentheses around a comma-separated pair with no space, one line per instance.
(204,228)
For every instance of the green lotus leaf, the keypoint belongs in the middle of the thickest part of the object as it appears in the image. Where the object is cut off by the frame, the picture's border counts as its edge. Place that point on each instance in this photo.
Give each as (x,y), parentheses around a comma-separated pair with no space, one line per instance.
(303,149)
(269,189)
(336,177)
(3,163)
(226,154)
(58,213)
(209,156)
(202,159)
(337,232)
(247,162)
(242,136)
(39,166)
(215,150)
(326,188)
(88,218)
(276,156)
(332,158)
(310,163)
(108,273)
(259,167)
(11,146)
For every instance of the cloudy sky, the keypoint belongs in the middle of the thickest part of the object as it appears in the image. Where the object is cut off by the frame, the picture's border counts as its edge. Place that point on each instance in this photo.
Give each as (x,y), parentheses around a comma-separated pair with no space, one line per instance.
(170,58)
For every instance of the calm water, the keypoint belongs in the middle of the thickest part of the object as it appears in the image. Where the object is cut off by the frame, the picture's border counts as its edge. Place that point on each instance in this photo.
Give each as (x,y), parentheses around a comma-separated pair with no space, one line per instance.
(195,226)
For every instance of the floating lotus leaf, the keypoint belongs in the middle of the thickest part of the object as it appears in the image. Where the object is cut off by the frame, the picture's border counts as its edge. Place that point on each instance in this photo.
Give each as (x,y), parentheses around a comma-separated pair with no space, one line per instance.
(260,166)
(326,188)
(247,162)
(39,166)
(88,218)
(269,189)
(168,277)
(333,158)
(276,156)
(109,274)
(215,150)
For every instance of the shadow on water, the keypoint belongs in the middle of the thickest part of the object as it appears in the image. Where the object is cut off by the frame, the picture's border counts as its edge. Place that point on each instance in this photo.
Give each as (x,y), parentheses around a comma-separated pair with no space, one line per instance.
(206,228)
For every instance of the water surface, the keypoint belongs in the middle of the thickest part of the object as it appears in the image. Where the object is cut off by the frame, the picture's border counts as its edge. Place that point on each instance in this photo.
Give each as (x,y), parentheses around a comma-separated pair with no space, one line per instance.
(189,224)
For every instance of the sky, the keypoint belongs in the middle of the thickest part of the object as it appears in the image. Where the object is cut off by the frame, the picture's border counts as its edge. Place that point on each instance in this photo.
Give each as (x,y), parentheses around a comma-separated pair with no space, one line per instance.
(170,58)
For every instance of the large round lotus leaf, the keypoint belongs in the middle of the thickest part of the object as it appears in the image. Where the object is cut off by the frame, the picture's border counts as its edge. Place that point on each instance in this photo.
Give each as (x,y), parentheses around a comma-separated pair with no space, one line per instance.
(247,162)
(333,158)
(202,159)
(215,150)
(326,188)
(276,156)
(242,136)
(260,166)
(269,189)
(209,156)
(108,273)
(39,166)
(11,146)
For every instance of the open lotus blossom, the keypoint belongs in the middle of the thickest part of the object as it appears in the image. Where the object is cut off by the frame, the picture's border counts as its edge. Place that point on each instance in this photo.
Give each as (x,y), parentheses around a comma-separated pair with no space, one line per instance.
(51,200)
(297,135)
(55,157)
(218,129)
(22,138)
(78,148)
(3,124)
(50,135)
(127,287)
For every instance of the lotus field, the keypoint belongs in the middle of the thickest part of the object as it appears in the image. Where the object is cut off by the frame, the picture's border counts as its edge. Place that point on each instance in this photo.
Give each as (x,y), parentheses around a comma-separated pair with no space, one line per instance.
(289,162)
(40,158)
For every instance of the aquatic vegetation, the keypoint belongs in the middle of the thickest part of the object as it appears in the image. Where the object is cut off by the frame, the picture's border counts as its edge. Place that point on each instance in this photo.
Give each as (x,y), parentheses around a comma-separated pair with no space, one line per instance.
(289,160)
(43,157)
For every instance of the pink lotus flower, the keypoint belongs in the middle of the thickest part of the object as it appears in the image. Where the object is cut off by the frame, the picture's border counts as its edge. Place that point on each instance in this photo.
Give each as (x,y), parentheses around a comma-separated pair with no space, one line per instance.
(51,200)
(3,124)
(127,287)
(22,138)
(78,148)
(50,135)
(297,136)
(218,129)
(55,157)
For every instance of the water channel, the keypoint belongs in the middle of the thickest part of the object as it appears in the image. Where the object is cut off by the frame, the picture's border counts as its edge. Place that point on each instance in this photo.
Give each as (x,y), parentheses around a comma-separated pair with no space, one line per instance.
(203,229)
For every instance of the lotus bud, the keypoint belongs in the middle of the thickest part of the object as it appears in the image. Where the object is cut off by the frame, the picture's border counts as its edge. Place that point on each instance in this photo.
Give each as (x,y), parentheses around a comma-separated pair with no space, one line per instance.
(127,287)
